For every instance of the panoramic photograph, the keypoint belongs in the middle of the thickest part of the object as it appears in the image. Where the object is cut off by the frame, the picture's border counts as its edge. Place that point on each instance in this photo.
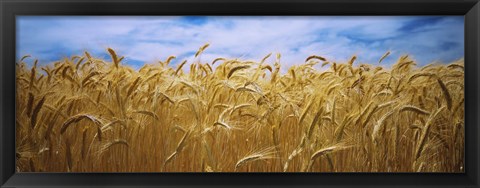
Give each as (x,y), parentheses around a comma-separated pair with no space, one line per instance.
(240,94)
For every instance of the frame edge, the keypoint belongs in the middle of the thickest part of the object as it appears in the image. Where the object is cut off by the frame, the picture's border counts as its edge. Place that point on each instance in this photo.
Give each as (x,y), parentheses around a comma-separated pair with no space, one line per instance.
(473,34)
(471,55)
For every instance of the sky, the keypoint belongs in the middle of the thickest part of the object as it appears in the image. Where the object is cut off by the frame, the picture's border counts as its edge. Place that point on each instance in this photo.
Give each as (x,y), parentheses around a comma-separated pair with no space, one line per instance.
(149,39)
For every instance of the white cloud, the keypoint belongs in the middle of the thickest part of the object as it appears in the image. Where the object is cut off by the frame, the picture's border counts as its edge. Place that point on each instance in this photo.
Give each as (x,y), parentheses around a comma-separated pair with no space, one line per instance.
(149,39)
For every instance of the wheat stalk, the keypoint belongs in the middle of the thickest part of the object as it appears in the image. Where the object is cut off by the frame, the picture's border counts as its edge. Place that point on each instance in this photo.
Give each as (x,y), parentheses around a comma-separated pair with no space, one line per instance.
(78,118)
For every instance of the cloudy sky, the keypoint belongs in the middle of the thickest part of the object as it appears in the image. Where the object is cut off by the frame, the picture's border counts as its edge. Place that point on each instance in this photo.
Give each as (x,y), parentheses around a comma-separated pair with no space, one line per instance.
(149,39)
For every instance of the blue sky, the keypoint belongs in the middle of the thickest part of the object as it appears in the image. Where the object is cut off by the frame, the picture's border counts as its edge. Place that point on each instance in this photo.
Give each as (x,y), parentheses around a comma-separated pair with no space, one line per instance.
(149,39)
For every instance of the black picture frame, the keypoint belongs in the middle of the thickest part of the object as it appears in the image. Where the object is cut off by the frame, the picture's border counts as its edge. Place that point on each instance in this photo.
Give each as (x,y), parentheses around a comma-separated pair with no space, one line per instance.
(9,9)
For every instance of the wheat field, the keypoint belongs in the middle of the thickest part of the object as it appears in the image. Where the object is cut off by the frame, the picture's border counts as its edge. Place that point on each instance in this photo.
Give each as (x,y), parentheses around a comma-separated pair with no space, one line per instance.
(85,114)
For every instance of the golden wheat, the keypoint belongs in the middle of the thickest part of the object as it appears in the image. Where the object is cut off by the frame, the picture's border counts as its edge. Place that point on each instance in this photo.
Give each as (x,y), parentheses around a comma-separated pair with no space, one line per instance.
(215,116)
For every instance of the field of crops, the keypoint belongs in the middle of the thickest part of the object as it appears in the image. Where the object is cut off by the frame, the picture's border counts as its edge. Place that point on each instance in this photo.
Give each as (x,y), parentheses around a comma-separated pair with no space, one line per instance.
(85,114)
